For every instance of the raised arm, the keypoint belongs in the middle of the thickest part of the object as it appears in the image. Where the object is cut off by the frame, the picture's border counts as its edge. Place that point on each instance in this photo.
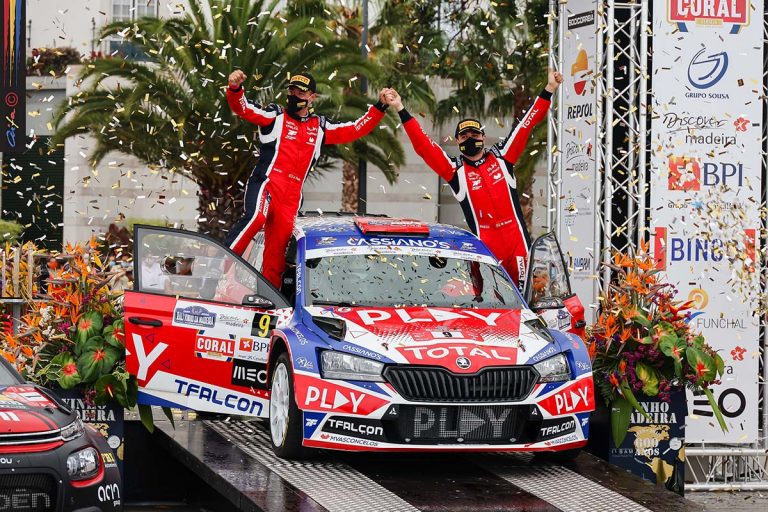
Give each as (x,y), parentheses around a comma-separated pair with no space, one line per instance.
(341,133)
(429,151)
(241,107)
(512,147)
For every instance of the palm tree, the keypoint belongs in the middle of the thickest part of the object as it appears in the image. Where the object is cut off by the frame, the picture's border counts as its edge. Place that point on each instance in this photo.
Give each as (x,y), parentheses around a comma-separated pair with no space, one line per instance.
(171,113)
(398,66)
(496,59)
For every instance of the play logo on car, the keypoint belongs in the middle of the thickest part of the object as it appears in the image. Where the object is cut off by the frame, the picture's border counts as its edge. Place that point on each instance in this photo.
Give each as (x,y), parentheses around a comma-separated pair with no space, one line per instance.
(577,397)
(320,395)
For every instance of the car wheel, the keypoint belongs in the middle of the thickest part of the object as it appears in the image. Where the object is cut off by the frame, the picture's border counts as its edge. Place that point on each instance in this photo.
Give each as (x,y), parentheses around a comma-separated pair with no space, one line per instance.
(285,418)
(559,457)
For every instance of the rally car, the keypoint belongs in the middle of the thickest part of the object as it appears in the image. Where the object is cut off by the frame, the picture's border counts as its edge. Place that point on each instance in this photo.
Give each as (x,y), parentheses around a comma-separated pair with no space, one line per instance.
(49,460)
(386,335)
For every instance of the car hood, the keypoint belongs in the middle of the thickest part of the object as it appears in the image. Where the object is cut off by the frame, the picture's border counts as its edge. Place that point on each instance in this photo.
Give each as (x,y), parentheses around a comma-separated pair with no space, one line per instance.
(27,409)
(462,340)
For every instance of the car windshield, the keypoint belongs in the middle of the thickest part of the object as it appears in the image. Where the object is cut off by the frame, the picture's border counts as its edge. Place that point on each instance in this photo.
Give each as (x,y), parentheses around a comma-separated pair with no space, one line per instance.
(399,280)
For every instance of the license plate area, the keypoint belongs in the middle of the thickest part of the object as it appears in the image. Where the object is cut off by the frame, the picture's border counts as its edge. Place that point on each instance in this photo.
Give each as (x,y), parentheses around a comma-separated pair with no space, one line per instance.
(465,424)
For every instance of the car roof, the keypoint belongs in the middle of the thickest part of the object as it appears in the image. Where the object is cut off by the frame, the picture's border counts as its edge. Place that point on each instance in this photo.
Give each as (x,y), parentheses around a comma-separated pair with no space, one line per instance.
(343,224)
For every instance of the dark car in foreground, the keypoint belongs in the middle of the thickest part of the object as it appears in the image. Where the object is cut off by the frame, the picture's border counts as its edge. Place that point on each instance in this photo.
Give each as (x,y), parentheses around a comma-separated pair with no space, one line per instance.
(49,460)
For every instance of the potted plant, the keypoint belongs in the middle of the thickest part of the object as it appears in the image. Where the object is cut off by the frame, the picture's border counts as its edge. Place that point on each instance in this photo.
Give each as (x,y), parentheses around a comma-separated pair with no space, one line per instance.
(72,339)
(645,355)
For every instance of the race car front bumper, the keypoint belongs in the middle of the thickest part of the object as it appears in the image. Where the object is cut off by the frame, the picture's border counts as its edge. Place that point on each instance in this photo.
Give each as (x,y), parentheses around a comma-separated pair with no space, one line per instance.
(552,418)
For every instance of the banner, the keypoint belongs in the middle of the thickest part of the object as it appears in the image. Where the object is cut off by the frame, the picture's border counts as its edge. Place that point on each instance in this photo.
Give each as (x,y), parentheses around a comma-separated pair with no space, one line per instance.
(13,77)
(576,139)
(705,189)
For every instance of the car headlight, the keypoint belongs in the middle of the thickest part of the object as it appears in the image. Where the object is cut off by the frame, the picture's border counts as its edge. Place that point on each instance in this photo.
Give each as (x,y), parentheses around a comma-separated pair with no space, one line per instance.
(83,464)
(73,430)
(554,369)
(338,365)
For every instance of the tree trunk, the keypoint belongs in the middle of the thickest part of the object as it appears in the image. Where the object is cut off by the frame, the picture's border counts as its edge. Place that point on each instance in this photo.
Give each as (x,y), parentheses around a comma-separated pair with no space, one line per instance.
(349,188)
(220,205)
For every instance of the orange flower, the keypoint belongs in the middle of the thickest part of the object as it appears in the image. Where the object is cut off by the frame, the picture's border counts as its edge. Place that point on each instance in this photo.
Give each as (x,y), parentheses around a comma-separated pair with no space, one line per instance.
(614,381)
(622,366)
(27,351)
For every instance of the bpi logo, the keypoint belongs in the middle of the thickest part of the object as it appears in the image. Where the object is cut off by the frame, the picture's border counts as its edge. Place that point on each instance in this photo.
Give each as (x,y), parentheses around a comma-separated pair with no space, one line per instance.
(690,174)
(709,13)
(707,69)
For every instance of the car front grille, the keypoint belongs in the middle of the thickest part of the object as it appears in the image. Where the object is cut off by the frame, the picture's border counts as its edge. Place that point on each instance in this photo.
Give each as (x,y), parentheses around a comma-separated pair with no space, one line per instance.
(460,424)
(32,492)
(433,384)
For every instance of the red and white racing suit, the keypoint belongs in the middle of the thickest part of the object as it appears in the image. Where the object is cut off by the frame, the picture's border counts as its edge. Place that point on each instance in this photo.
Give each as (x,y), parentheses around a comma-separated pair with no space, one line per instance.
(486,188)
(290,147)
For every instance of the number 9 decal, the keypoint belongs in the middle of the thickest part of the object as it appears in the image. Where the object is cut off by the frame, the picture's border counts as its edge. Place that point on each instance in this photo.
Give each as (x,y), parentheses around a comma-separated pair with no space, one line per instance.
(264,326)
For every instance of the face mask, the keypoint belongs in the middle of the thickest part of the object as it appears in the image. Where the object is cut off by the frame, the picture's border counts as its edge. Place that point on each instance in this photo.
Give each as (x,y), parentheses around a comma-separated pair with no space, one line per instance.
(471,146)
(295,104)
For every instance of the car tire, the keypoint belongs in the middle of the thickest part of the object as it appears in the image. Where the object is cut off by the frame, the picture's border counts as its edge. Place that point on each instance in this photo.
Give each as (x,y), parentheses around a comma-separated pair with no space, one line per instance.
(285,417)
(560,457)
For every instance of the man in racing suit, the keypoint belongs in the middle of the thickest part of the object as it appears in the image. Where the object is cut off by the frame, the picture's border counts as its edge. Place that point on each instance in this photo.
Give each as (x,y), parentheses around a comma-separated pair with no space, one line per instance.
(483,180)
(291,141)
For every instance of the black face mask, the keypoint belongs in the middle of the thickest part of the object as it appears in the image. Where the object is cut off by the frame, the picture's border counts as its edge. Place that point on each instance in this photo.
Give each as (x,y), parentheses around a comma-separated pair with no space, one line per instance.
(295,104)
(471,146)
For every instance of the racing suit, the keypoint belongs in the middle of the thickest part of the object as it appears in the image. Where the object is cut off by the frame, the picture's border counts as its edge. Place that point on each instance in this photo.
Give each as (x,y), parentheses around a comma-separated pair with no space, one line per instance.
(290,147)
(486,188)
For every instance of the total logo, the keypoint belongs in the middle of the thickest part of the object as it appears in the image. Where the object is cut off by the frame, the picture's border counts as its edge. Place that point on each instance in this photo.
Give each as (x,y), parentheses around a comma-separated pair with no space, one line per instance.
(690,174)
(460,357)
(315,394)
(577,397)
(709,13)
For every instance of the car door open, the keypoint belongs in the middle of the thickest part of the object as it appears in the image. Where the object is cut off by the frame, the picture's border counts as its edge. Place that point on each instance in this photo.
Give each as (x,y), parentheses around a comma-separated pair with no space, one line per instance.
(198,324)
(548,287)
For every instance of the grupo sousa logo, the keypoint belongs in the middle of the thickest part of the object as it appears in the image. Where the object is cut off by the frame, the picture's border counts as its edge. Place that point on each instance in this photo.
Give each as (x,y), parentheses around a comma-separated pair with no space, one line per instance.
(707,68)
(691,174)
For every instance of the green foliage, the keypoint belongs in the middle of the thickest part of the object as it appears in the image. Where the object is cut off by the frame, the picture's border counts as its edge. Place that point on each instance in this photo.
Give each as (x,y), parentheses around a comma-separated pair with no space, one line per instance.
(172,113)
(10,231)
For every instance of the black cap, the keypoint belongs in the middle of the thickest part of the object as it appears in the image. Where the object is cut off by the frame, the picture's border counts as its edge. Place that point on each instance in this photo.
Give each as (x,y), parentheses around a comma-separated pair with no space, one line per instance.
(303,81)
(468,124)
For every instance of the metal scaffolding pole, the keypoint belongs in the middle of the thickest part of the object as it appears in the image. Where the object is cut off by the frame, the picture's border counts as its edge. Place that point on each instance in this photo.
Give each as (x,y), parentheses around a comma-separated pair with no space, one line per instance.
(622,154)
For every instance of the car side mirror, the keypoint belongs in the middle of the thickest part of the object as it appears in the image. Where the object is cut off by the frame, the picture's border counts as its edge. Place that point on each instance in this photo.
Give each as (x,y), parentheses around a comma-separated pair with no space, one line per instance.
(257,301)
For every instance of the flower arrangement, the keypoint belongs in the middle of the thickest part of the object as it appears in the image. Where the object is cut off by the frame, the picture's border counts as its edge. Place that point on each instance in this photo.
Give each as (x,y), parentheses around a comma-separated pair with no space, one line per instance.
(74,334)
(642,342)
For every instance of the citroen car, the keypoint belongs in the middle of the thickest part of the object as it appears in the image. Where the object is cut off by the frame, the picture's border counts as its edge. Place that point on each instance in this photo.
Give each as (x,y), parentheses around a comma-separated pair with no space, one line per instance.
(49,460)
(383,335)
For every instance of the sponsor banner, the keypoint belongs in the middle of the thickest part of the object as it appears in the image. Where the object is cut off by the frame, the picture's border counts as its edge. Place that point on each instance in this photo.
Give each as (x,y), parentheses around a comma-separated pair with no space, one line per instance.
(249,374)
(213,318)
(551,429)
(653,450)
(578,396)
(357,427)
(13,89)
(459,254)
(576,140)
(705,188)
(325,396)
(107,419)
